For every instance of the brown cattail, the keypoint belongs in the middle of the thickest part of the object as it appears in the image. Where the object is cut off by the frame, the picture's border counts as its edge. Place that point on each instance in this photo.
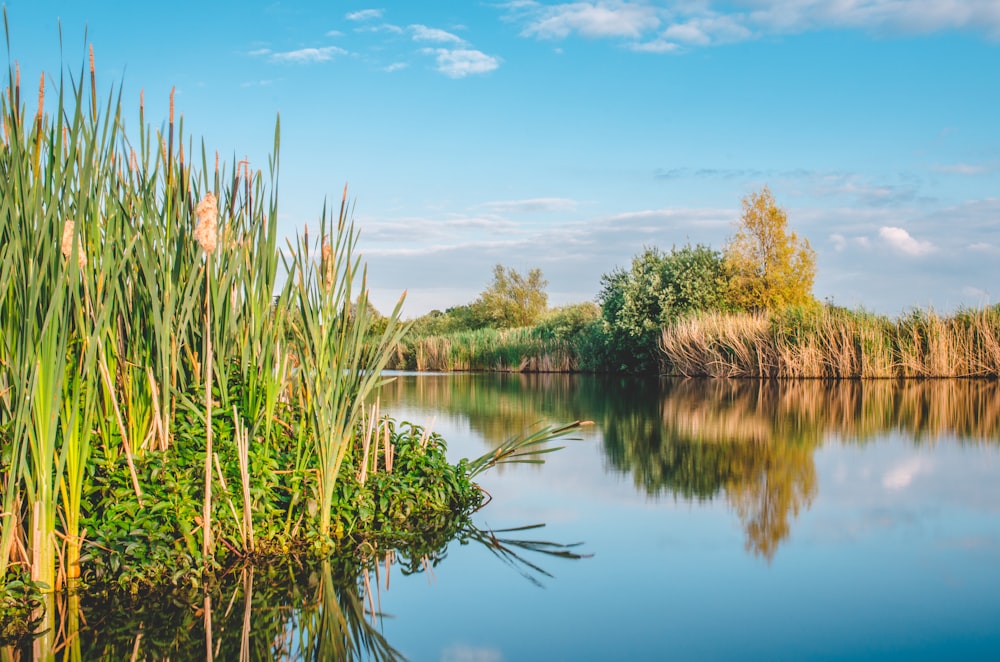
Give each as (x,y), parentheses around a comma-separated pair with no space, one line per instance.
(93,84)
(206,232)
(327,263)
(67,244)
(41,100)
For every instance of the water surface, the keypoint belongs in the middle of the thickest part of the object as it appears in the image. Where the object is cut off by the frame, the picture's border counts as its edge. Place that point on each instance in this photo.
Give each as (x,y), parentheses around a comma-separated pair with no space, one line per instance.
(719,519)
(727,519)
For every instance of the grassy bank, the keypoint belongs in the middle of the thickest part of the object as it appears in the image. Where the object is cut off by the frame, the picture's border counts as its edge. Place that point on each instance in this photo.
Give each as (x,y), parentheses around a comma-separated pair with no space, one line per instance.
(835,343)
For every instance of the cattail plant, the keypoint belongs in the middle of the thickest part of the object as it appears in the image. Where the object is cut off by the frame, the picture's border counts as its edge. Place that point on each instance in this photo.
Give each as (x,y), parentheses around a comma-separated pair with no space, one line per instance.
(341,352)
(206,235)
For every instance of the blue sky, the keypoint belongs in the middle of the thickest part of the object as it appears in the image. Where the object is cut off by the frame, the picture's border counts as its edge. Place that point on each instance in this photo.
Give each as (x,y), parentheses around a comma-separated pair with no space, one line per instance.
(569,135)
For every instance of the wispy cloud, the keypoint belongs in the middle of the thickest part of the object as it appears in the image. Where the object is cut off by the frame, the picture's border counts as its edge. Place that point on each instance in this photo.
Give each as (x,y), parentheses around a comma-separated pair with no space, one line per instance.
(382,27)
(591,19)
(466,653)
(901,240)
(532,205)
(424,33)
(396,66)
(963,169)
(301,55)
(364,15)
(462,62)
(670,27)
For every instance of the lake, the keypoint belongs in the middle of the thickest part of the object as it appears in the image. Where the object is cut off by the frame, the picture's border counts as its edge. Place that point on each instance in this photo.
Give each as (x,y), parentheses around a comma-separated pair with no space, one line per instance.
(695,519)
(726,519)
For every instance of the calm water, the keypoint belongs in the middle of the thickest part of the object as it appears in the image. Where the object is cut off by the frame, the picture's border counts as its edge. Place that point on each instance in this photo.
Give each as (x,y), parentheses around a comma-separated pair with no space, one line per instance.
(722,519)
(725,519)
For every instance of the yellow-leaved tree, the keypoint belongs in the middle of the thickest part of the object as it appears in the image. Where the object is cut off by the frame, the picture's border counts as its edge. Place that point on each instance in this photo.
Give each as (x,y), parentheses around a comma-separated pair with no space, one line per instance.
(768,267)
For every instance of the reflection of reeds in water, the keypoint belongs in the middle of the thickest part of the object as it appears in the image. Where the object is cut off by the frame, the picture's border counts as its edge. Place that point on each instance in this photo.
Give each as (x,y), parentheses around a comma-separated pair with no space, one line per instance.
(835,343)
(807,411)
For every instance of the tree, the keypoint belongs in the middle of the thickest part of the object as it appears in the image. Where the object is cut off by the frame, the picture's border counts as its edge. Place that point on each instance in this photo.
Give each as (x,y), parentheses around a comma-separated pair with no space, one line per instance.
(513,300)
(769,269)
(657,289)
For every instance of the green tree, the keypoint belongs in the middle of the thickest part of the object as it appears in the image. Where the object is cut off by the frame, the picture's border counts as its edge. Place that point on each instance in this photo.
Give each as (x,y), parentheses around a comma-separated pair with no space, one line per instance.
(513,300)
(769,268)
(657,289)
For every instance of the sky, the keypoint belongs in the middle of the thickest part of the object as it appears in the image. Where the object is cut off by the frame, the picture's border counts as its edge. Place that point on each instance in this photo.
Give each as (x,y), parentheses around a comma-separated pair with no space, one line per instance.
(569,136)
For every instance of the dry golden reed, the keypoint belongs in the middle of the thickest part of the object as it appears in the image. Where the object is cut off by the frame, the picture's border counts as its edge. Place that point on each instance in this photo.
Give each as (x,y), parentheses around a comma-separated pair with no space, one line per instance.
(834,343)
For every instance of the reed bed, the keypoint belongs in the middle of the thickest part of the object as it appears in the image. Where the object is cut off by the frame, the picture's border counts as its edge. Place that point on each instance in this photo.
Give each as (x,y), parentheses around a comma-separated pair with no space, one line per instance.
(497,350)
(178,390)
(834,343)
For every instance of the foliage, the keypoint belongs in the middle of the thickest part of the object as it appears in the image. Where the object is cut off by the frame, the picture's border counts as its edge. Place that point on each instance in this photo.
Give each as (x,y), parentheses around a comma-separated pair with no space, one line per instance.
(566,322)
(503,350)
(658,289)
(467,317)
(769,268)
(513,300)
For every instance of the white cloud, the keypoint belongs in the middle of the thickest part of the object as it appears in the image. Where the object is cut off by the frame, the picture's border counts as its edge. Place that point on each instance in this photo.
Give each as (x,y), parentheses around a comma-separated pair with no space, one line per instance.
(839,241)
(396,66)
(532,205)
(462,62)
(707,30)
(900,240)
(364,15)
(424,33)
(593,19)
(655,46)
(963,169)
(884,16)
(384,27)
(466,653)
(712,22)
(307,55)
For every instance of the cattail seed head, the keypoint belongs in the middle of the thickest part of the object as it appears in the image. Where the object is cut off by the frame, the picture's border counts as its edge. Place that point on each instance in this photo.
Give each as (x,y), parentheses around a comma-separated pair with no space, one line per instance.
(206,231)
(327,264)
(67,244)
(41,97)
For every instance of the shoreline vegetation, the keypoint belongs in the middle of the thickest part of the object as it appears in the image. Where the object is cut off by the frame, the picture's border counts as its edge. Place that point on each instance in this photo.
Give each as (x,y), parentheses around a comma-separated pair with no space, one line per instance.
(179,394)
(808,342)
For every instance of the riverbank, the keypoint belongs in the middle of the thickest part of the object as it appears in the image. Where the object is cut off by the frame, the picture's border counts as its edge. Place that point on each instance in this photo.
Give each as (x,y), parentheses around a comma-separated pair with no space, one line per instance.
(814,342)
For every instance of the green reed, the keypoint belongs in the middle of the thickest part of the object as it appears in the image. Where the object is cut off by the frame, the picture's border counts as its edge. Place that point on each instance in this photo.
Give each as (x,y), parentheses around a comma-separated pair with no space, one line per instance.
(503,350)
(117,329)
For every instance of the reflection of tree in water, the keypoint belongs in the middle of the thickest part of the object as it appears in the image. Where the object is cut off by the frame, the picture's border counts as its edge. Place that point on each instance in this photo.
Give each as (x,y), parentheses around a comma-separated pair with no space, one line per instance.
(751,441)
(696,439)
(496,406)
